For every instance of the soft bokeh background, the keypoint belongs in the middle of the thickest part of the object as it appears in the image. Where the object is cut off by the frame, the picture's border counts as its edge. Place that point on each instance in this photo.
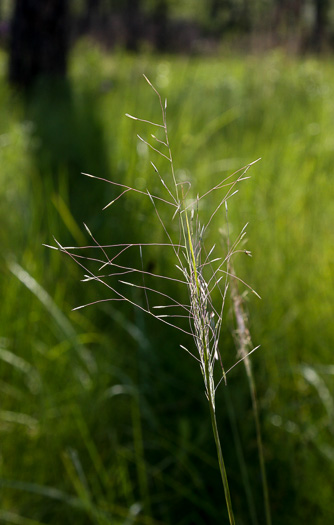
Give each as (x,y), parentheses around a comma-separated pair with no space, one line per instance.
(103,418)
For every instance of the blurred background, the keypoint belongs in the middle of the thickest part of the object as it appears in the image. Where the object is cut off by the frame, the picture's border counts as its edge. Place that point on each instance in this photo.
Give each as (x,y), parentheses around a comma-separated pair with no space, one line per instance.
(103,417)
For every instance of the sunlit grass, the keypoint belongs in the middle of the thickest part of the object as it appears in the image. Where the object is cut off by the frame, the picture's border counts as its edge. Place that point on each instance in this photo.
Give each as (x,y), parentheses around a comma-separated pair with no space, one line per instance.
(65,423)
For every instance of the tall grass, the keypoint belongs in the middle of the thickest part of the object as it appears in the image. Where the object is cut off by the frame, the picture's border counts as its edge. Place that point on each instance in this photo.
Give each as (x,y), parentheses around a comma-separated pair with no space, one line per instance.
(78,444)
(202,273)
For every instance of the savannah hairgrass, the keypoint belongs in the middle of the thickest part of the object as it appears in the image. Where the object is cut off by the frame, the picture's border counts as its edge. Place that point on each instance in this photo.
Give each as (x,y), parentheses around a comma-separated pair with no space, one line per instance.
(243,342)
(201,274)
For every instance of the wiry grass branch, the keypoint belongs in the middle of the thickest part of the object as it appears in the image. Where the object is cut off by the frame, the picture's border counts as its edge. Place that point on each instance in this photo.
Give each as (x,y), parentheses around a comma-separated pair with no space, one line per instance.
(202,274)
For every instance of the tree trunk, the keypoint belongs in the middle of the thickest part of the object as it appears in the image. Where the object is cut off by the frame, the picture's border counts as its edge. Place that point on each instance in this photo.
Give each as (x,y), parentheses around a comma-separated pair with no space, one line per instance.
(160,18)
(38,41)
(320,24)
(132,24)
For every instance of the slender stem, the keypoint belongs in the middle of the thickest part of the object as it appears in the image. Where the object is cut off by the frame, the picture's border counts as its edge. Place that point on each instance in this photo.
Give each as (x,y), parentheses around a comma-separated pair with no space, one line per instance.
(260,448)
(244,341)
(207,370)
(198,305)
(221,464)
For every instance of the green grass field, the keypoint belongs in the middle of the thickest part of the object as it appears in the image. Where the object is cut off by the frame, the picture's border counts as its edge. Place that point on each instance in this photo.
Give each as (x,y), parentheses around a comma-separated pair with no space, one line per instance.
(103,417)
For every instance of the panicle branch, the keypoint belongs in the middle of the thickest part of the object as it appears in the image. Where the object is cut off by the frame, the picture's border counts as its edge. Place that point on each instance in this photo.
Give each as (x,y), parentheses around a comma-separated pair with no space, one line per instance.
(204,276)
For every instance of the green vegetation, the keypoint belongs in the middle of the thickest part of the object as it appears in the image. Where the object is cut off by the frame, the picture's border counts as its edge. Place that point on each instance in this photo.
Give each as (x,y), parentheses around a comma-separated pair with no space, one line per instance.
(103,417)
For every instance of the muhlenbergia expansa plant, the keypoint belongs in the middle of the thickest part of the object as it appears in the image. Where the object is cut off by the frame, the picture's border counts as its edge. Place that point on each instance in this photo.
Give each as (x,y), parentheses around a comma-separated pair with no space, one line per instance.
(204,275)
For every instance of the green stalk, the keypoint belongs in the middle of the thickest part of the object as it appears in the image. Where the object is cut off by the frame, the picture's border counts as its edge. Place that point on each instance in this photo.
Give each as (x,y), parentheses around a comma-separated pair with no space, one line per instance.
(217,439)
(222,465)
(207,376)
(244,341)
(260,447)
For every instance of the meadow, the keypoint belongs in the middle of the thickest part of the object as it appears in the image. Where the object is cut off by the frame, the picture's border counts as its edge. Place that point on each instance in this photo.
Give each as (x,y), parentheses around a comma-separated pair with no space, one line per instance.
(103,416)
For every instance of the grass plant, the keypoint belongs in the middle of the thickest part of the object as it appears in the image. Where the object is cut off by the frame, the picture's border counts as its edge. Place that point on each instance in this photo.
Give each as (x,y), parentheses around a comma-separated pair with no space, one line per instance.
(244,345)
(202,273)
(90,439)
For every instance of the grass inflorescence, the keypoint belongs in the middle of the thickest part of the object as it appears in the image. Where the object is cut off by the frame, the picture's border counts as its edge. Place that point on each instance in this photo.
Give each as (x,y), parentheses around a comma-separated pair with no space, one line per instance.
(203,274)
(224,112)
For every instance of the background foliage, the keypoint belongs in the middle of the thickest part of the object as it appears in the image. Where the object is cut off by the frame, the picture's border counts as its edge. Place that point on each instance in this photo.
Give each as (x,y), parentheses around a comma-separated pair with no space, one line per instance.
(103,418)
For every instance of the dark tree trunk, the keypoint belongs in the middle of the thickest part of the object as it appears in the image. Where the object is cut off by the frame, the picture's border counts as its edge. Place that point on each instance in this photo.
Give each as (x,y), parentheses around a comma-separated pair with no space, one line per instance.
(38,41)
(92,16)
(90,8)
(320,24)
(160,19)
(132,24)
(214,10)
